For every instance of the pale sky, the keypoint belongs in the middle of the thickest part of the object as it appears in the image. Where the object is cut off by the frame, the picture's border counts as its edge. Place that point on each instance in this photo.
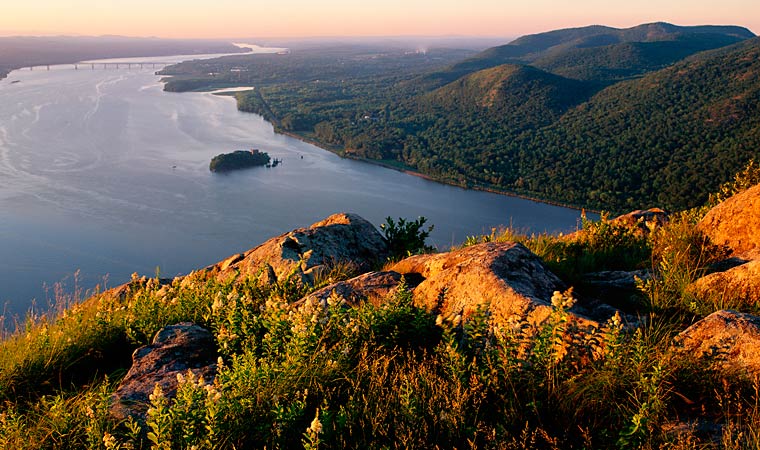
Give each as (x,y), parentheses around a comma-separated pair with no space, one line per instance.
(300,18)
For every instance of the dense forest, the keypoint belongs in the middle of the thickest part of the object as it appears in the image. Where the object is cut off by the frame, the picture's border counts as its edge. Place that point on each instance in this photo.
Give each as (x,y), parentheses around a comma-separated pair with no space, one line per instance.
(603,118)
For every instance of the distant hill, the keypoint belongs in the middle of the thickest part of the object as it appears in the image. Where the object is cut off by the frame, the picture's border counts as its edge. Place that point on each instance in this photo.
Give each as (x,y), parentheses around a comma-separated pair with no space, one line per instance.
(571,51)
(523,96)
(628,59)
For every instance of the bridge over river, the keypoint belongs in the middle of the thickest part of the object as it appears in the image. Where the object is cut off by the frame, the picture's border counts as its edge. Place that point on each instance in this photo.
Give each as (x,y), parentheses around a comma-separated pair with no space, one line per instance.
(106,65)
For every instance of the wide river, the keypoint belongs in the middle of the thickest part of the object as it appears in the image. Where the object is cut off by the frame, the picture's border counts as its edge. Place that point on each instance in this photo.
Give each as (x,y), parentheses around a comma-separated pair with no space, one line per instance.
(104,173)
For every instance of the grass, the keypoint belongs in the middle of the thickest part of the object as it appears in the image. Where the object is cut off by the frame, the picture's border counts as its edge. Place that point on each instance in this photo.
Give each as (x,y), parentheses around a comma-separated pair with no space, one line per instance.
(598,246)
(390,375)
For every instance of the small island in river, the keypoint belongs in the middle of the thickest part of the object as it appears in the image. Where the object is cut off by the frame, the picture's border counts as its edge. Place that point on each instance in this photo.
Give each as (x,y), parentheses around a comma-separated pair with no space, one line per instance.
(239,159)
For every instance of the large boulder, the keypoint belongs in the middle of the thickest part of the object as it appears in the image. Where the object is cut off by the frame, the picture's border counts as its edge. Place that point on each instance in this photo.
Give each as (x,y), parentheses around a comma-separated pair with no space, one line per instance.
(735,222)
(726,339)
(735,286)
(506,276)
(371,287)
(175,350)
(341,238)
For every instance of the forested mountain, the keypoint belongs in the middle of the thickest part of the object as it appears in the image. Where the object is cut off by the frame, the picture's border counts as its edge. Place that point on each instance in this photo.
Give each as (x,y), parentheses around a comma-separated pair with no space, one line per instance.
(666,139)
(594,126)
(520,95)
(599,52)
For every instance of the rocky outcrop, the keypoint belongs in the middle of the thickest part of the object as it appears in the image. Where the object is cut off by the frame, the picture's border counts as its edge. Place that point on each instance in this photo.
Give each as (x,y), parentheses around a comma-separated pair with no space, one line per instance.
(736,286)
(642,222)
(735,223)
(121,292)
(507,277)
(175,350)
(305,252)
(371,287)
(726,339)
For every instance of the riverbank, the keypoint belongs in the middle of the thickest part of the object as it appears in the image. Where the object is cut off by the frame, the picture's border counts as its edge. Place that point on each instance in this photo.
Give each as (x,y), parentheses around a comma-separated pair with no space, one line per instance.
(309,138)
(411,171)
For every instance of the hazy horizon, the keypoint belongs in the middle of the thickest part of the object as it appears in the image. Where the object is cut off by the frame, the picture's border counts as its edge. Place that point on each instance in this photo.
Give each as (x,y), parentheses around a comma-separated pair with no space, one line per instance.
(236,19)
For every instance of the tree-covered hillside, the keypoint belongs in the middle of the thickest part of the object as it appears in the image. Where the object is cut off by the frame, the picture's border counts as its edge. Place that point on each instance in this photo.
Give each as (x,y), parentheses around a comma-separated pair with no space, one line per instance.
(666,139)
(522,95)
(596,126)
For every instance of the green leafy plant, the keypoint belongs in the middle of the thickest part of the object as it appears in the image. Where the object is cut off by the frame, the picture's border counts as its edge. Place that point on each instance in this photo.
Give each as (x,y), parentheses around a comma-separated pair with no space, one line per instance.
(406,237)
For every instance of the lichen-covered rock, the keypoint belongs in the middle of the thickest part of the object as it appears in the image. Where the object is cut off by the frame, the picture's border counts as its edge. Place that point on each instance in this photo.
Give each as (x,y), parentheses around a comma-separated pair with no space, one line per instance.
(737,285)
(175,350)
(735,222)
(371,287)
(727,339)
(507,277)
(306,251)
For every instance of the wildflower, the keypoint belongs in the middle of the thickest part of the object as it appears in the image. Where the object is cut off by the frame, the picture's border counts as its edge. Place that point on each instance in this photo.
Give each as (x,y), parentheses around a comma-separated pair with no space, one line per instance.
(616,320)
(157,393)
(439,320)
(212,393)
(316,425)
(563,300)
(109,440)
(335,299)
(557,299)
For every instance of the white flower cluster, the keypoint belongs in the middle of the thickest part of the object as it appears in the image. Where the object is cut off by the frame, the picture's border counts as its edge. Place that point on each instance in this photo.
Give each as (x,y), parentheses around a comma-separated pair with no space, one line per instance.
(563,300)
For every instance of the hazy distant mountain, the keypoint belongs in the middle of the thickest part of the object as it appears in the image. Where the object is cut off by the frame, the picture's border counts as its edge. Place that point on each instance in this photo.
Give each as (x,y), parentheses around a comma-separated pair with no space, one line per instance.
(596,51)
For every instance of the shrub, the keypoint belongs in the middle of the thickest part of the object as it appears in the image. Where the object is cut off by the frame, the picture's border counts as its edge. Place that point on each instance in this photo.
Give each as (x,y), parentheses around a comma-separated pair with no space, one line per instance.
(680,255)
(745,179)
(406,237)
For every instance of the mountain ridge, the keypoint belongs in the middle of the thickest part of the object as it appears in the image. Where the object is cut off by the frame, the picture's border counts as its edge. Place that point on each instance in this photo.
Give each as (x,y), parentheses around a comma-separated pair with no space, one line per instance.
(527,49)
